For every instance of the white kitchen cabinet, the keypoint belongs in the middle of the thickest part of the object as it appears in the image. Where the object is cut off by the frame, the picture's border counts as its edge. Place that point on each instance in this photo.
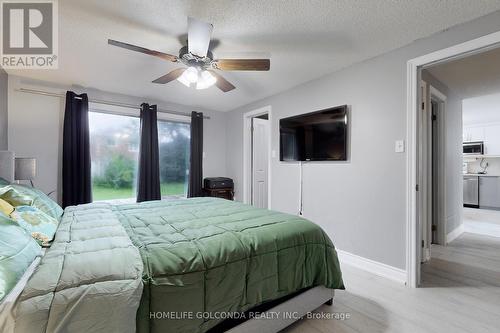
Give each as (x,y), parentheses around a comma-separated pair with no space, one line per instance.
(492,140)
(474,133)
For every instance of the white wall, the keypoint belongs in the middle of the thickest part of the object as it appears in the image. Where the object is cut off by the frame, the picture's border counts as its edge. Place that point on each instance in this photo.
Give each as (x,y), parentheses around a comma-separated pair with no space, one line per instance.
(362,203)
(35,129)
(3,109)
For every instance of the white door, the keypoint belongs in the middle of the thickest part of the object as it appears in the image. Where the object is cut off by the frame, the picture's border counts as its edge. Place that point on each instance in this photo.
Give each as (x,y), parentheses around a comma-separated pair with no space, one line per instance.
(425,182)
(260,162)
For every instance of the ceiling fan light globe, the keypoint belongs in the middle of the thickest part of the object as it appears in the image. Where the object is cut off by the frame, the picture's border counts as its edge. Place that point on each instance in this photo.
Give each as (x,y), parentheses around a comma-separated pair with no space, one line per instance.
(206,80)
(191,74)
(182,79)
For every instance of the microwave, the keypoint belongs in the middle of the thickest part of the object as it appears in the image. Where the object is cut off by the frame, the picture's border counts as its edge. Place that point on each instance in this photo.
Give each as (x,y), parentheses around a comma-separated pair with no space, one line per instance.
(473,148)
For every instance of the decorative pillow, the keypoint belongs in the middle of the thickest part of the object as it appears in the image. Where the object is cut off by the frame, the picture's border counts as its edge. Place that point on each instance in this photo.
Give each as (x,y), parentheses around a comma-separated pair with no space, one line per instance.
(6,207)
(41,226)
(17,252)
(13,197)
(19,195)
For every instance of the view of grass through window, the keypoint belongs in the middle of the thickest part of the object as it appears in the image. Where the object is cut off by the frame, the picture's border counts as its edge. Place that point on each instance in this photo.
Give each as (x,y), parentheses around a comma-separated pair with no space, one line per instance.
(173,139)
(114,144)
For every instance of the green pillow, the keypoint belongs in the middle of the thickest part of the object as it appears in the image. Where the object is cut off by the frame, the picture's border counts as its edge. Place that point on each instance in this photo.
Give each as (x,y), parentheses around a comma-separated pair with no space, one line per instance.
(41,226)
(17,252)
(19,195)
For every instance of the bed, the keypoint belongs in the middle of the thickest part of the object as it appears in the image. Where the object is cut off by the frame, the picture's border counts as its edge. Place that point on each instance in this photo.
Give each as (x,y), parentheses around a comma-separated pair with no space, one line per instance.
(184,265)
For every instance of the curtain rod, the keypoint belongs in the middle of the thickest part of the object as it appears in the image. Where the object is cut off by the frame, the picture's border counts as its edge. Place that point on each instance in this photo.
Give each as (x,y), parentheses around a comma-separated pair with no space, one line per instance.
(125,105)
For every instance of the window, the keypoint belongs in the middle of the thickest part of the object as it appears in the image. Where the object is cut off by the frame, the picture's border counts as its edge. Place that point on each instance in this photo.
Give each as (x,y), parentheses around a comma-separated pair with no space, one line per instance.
(114,153)
(173,139)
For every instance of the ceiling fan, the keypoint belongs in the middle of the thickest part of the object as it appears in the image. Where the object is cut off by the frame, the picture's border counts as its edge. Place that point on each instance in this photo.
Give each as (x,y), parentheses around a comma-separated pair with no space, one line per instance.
(201,66)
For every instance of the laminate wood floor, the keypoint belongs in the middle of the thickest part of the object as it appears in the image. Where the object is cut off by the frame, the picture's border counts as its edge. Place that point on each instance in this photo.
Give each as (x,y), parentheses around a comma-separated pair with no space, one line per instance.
(460,293)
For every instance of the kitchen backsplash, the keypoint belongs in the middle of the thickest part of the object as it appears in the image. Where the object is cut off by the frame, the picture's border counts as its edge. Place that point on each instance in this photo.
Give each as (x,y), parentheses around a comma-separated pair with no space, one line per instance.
(493,166)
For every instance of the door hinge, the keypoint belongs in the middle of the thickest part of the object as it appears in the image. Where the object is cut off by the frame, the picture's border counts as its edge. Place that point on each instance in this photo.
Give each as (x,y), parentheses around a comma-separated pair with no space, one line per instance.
(423,105)
(434,117)
(416,187)
(423,243)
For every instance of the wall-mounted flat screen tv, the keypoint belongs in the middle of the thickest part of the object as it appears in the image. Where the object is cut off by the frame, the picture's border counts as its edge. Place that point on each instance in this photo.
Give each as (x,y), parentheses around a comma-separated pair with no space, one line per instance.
(315,136)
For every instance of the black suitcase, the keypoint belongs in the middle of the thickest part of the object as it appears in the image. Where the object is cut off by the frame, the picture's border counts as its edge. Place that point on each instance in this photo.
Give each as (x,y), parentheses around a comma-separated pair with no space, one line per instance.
(218,182)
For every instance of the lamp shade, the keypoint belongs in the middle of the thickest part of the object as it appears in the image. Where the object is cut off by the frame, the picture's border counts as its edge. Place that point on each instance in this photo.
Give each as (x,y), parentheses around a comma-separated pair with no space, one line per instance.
(25,168)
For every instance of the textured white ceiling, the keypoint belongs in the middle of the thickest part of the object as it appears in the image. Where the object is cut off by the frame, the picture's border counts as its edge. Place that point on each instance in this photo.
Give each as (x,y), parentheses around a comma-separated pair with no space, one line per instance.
(472,76)
(305,40)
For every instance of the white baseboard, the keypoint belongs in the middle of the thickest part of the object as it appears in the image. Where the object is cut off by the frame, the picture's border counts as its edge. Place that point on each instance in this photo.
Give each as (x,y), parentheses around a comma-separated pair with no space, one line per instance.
(451,236)
(374,267)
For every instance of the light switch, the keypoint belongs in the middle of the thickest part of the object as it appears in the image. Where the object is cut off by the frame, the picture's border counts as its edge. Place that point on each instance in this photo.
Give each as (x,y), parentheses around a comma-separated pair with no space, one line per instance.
(400,146)
(204,155)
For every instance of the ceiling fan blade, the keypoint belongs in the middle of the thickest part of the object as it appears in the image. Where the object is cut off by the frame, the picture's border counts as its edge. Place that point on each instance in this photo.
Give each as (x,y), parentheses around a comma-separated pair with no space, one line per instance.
(170,76)
(136,48)
(222,83)
(242,64)
(199,34)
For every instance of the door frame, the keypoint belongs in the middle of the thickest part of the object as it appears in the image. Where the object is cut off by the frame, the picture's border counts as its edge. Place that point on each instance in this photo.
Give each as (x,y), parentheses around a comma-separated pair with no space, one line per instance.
(434,205)
(414,197)
(247,153)
(442,166)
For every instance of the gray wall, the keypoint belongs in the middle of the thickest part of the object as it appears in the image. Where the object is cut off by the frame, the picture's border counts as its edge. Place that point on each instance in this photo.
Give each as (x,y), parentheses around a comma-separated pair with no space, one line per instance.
(362,203)
(453,151)
(3,109)
(35,129)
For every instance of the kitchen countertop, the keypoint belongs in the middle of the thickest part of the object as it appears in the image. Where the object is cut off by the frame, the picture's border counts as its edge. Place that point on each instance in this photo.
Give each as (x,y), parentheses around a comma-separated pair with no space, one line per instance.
(480,175)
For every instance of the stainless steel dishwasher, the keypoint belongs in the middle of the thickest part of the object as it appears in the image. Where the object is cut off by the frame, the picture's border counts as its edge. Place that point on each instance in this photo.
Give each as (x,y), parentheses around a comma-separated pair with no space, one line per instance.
(471,191)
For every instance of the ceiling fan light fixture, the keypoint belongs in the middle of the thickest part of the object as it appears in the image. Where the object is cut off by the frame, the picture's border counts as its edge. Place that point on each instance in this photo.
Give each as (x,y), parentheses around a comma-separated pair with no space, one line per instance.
(182,79)
(205,80)
(191,74)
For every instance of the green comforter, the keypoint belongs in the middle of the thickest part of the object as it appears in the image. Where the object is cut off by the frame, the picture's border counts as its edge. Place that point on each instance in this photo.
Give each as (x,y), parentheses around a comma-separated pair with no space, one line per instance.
(89,280)
(205,256)
(179,259)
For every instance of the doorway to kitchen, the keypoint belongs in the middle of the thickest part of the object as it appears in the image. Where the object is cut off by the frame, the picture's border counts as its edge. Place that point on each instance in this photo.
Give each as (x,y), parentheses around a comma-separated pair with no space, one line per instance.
(459,171)
(481,164)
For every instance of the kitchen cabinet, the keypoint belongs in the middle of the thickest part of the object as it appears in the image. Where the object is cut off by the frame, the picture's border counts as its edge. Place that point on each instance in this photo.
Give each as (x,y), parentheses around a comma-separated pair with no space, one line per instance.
(492,140)
(473,133)
(489,192)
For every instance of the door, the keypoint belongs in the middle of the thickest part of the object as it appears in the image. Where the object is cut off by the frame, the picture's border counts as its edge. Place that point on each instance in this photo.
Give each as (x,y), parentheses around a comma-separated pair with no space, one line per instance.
(434,239)
(425,176)
(260,162)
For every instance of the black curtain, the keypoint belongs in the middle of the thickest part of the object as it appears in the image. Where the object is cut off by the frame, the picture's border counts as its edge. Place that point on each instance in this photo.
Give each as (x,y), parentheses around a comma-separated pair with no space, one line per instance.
(195,164)
(76,187)
(148,187)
